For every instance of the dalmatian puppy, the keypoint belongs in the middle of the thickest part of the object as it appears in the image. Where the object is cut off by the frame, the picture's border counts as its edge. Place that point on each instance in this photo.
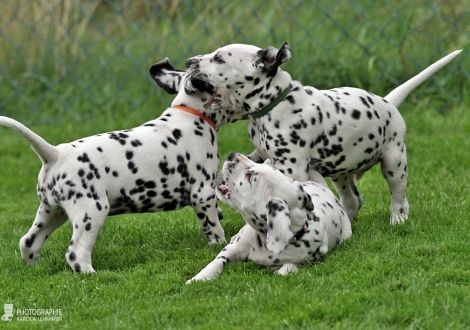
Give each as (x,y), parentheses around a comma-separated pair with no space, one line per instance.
(339,133)
(288,223)
(165,164)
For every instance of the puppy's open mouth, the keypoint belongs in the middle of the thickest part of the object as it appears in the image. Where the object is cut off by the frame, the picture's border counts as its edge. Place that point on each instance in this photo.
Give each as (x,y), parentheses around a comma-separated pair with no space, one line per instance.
(225,191)
(213,100)
(197,85)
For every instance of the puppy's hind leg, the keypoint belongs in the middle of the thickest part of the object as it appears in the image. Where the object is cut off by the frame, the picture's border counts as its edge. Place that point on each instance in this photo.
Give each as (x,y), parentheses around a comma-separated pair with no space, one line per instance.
(350,198)
(47,220)
(86,226)
(395,171)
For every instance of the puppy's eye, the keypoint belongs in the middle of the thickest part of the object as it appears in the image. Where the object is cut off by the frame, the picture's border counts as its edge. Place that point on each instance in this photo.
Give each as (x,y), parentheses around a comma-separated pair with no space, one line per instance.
(249,176)
(218,59)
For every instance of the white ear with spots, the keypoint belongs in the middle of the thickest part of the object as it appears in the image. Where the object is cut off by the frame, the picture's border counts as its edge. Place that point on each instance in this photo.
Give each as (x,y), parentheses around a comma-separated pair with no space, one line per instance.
(279,226)
(167,77)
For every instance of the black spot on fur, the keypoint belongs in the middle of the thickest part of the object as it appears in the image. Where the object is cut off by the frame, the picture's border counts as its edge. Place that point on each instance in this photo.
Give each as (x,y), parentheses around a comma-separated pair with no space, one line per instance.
(356,114)
(291,99)
(83,158)
(29,241)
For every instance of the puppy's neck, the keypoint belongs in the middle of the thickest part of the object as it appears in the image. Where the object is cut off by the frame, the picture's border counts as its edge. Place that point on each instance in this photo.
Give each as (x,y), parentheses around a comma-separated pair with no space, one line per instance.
(254,95)
(298,217)
(219,118)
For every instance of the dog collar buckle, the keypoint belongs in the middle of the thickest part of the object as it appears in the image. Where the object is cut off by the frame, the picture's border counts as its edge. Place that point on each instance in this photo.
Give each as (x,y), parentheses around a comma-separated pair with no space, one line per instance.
(273,104)
(195,113)
(300,233)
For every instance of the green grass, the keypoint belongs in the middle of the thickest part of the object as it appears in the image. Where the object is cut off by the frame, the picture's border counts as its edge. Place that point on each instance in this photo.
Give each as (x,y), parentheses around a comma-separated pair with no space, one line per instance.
(414,275)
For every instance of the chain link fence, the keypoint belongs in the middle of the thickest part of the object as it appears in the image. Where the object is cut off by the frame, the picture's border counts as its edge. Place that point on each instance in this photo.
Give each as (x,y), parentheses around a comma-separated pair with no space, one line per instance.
(72,59)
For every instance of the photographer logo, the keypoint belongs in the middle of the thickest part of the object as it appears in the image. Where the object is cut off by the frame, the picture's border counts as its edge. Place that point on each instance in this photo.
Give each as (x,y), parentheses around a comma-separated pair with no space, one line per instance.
(31,314)
(8,312)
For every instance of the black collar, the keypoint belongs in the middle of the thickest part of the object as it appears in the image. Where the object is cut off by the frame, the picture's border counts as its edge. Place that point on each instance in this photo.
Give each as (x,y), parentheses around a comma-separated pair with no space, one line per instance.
(300,233)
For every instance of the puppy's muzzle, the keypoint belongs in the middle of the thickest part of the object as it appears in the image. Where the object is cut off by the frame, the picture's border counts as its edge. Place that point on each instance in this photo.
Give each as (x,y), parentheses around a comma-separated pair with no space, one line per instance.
(224,189)
(192,63)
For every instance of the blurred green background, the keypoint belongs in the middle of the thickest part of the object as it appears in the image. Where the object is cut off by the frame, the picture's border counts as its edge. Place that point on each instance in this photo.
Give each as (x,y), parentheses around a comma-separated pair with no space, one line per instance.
(71,60)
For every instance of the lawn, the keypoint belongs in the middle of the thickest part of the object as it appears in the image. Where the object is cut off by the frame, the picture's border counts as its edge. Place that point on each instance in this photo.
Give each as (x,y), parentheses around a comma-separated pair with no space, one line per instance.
(414,275)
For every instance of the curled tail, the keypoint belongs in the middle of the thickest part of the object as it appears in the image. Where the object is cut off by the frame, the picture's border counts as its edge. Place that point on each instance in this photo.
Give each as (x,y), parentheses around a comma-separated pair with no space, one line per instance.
(397,96)
(46,152)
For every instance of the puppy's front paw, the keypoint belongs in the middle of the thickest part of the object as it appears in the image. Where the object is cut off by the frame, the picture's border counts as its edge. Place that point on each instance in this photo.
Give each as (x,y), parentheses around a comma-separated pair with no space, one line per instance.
(398,218)
(216,240)
(197,278)
(286,269)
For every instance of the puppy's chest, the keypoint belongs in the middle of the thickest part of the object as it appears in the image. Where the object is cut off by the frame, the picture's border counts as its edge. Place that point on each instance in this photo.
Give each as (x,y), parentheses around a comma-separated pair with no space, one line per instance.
(258,222)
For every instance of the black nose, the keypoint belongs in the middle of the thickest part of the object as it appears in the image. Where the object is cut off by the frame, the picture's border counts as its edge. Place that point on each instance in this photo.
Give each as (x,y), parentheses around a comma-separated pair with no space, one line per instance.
(232,156)
(190,62)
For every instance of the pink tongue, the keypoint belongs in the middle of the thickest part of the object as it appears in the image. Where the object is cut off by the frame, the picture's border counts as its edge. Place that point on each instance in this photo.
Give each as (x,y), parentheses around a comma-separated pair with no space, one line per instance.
(207,104)
(210,101)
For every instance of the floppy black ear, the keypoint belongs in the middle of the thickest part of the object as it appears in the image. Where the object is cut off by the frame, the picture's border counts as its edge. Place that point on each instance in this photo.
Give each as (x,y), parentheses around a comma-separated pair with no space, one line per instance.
(305,199)
(308,202)
(269,59)
(194,85)
(167,77)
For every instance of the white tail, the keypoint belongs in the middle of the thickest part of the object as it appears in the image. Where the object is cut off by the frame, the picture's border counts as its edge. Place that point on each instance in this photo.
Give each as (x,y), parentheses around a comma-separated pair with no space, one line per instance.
(46,152)
(397,96)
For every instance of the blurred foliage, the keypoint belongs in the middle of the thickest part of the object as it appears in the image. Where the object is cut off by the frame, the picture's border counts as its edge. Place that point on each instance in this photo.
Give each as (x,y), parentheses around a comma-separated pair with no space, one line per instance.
(68,60)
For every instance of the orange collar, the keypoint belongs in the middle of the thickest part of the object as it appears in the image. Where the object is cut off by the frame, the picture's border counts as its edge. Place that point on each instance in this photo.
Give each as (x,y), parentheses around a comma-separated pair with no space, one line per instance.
(195,113)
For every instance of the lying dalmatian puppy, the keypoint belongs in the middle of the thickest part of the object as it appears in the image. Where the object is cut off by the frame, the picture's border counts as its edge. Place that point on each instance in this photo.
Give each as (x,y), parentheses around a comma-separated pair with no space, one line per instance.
(339,133)
(165,164)
(288,222)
